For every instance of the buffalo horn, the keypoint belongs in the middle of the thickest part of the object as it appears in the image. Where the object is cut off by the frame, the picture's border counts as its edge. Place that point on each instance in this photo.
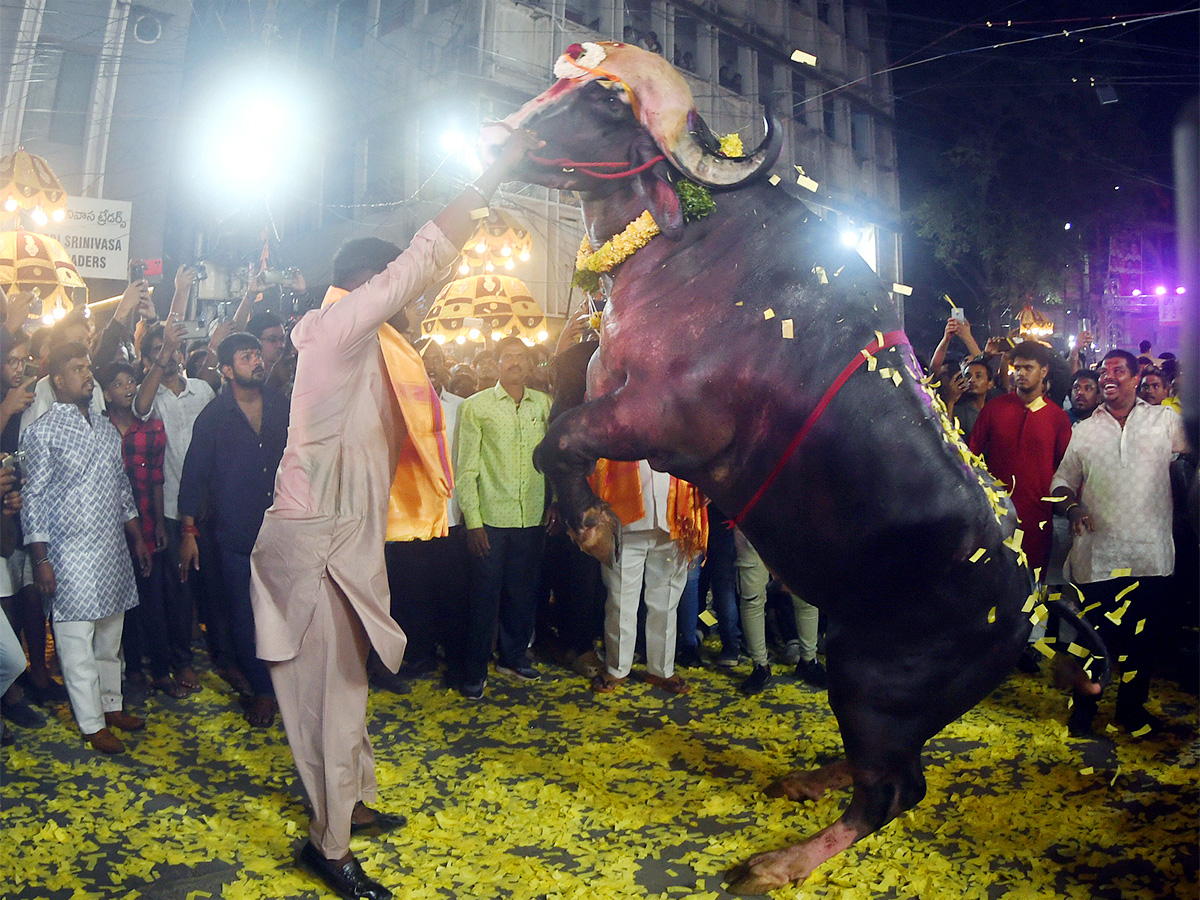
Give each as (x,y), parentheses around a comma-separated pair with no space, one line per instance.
(713,170)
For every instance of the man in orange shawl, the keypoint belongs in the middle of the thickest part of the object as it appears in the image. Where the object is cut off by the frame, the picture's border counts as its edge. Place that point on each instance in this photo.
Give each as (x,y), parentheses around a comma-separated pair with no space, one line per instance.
(664,525)
(362,412)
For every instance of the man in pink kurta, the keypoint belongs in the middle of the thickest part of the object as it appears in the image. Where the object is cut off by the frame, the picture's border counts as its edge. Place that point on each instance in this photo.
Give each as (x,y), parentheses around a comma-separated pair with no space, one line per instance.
(319,586)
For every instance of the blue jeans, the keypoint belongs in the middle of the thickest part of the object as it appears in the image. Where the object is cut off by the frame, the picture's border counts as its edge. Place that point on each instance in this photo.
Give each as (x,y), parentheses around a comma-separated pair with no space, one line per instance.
(689,610)
(511,571)
(722,579)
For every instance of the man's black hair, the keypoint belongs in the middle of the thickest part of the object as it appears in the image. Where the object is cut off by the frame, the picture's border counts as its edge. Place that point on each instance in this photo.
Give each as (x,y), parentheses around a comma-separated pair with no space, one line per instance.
(1143,361)
(73,319)
(1170,368)
(63,354)
(362,256)
(1144,347)
(1165,355)
(260,322)
(234,344)
(1130,360)
(1032,350)
(154,331)
(1090,374)
(108,374)
(512,341)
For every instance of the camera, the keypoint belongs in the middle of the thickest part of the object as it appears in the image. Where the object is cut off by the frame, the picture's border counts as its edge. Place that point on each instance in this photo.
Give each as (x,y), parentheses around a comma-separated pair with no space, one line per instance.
(278,276)
(137,270)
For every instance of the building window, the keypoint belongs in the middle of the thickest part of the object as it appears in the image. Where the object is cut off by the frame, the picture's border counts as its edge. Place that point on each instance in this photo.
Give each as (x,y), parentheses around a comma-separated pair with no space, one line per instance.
(829,115)
(72,94)
(799,98)
(860,133)
(823,11)
(394,14)
(351,26)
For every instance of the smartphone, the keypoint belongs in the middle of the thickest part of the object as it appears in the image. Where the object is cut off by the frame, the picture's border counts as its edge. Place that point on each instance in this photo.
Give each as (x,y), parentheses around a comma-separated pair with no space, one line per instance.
(956,313)
(31,372)
(137,270)
(195,331)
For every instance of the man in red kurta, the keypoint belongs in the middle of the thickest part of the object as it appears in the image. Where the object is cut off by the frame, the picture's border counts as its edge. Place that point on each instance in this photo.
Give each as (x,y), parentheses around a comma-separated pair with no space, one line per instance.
(1022,437)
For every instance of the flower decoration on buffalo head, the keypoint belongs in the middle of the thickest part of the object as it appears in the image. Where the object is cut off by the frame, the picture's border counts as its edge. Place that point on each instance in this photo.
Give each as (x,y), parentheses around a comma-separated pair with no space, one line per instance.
(579,61)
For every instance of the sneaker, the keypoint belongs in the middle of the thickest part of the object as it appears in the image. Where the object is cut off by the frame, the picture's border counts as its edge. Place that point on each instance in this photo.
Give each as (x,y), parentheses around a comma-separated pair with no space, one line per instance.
(473,690)
(521,671)
(812,673)
(757,682)
(728,660)
(791,652)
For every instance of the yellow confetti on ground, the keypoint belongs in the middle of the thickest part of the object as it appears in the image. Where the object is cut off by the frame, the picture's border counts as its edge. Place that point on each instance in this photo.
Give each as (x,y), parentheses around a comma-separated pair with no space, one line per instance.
(787,328)
(774,180)
(978,554)
(1137,629)
(768,313)
(992,616)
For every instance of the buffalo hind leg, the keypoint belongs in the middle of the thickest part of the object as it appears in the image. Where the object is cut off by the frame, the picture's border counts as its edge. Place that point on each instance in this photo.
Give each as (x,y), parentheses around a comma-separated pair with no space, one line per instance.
(876,801)
(811,784)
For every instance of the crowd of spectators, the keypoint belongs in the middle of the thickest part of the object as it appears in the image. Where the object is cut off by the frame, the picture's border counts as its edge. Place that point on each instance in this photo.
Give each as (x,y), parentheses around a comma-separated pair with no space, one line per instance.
(138,471)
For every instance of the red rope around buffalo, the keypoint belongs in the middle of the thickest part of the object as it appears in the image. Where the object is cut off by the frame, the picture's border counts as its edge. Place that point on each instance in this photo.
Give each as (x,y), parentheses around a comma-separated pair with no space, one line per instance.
(891,339)
(588,166)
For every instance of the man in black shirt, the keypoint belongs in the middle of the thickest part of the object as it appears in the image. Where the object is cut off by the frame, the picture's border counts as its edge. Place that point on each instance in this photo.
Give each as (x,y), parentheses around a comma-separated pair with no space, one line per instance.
(237,442)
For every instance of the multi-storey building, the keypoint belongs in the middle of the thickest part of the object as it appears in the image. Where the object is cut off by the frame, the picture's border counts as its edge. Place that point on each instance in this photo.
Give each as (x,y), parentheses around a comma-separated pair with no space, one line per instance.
(388,94)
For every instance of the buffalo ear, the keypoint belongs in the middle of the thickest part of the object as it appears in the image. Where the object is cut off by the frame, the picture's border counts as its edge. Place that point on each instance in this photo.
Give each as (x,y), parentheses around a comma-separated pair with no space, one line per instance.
(653,188)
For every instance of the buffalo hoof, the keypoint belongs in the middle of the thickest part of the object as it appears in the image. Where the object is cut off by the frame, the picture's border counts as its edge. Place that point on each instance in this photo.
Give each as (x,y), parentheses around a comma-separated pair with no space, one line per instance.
(598,535)
(756,877)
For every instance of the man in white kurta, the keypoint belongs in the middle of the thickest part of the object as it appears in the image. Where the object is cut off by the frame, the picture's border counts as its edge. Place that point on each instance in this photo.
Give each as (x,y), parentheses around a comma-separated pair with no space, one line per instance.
(318,582)
(651,557)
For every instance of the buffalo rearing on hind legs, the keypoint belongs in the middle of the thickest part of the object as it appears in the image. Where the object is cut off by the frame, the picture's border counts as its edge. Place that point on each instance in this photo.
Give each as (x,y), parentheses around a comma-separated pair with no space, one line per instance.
(753,354)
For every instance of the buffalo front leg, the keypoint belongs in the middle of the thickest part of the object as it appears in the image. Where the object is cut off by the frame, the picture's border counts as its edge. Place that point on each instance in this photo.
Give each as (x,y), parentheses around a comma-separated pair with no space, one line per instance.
(811,784)
(876,801)
(616,426)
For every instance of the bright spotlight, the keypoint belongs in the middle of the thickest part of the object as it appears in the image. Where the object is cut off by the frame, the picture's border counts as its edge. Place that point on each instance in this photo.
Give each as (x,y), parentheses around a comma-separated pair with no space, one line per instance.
(440,338)
(480,247)
(10,205)
(496,335)
(1160,290)
(509,264)
(58,215)
(464,269)
(455,142)
(524,256)
(1137,292)
(473,334)
(461,339)
(1067,227)
(542,335)
(1180,290)
(850,238)
(39,216)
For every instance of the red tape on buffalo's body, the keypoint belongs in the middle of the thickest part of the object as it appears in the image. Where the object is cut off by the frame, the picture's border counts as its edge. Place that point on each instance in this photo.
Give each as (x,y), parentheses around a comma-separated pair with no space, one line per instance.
(891,339)
(588,166)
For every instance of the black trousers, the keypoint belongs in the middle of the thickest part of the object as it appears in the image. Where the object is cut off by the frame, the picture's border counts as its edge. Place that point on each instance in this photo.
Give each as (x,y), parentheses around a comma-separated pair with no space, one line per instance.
(1134,641)
(428,583)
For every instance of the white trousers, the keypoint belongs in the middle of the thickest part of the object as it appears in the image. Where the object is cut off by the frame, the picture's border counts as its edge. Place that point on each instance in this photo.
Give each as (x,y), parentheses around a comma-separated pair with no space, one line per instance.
(652,557)
(90,656)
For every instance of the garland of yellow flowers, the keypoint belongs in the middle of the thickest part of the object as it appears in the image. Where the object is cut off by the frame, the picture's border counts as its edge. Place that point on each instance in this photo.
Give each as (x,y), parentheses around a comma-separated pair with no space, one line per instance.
(696,202)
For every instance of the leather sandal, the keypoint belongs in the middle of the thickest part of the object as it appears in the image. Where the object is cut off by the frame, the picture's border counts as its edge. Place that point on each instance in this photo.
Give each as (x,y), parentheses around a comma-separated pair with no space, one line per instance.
(672,685)
(260,710)
(606,682)
(170,687)
(187,677)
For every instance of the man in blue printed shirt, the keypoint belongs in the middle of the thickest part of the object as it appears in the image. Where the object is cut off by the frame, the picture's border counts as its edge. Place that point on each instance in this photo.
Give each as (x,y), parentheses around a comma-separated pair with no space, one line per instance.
(78,511)
(237,443)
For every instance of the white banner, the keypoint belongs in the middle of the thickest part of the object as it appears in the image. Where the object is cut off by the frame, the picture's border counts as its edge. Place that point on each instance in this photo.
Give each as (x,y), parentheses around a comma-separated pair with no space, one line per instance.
(96,235)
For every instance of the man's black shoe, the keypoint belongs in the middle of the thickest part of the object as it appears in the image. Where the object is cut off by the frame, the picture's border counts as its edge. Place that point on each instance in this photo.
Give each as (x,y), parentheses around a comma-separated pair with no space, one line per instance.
(1079,725)
(1028,663)
(382,822)
(1138,719)
(21,715)
(812,673)
(346,880)
(53,692)
(688,658)
(758,680)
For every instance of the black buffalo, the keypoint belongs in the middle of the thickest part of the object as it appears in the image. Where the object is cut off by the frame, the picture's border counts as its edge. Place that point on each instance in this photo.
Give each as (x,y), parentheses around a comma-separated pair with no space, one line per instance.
(719,341)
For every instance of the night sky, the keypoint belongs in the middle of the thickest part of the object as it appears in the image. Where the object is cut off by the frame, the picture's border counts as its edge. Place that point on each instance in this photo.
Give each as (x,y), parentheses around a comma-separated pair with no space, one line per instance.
(1151,66)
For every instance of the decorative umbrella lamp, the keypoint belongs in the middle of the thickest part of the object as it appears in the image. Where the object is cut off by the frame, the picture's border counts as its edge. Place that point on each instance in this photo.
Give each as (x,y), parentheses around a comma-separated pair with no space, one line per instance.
(480,307)
(498,243)
(1033,324)
(27,182)
(34,262)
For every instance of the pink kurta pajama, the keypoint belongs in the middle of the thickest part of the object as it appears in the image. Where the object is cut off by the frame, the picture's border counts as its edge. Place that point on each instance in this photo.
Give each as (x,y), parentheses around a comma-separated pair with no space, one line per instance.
(318,585)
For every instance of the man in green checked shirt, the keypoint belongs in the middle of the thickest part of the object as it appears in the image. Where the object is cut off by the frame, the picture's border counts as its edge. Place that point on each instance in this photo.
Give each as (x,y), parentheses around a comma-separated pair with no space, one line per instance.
(503,500)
